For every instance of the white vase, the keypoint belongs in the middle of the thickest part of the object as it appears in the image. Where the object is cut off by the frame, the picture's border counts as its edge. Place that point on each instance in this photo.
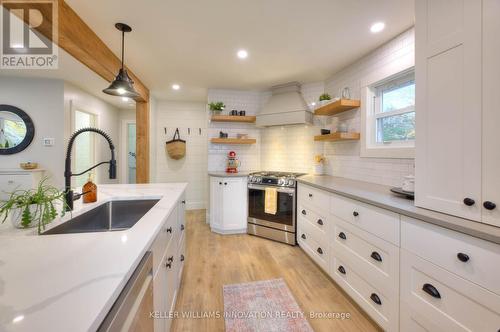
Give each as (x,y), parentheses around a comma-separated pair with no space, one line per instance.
(318,169)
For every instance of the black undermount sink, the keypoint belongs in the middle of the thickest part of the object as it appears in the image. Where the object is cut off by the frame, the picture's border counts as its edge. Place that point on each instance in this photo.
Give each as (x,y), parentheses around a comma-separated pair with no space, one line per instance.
(111,216)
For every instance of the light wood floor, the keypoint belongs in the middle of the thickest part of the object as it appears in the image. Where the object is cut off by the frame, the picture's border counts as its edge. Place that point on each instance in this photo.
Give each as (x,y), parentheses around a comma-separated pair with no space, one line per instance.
(215,260)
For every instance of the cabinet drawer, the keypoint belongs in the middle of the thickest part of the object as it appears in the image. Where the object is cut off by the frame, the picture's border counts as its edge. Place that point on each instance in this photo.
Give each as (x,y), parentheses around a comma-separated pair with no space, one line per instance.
(167,233)
(470,258)
(318,221)
(317,251)
(372,257)
(383,309)
(313,198)
(380,222)
(13,182)
(450,302)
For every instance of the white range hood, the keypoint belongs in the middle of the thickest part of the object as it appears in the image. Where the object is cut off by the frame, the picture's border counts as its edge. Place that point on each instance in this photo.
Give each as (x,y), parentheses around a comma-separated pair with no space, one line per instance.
(285,107)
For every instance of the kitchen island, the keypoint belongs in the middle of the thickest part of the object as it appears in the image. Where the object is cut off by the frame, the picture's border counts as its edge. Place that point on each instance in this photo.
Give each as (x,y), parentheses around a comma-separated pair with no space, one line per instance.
(69,282)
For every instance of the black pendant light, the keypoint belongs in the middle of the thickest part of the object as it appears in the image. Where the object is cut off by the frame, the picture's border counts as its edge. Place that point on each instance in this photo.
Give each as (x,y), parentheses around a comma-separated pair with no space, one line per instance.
(123,85)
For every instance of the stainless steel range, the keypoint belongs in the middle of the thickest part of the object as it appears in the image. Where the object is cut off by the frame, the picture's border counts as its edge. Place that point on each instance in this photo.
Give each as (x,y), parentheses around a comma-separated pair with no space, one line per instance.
(280,226)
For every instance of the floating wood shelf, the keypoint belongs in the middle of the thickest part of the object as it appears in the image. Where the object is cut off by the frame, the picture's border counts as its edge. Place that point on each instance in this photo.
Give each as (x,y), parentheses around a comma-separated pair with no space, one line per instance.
(233,140)
(336,137)
(233,118)
(339,106)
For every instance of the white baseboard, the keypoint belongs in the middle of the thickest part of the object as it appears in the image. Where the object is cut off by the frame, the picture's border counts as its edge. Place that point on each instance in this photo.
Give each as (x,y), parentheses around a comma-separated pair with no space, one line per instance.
(227,232)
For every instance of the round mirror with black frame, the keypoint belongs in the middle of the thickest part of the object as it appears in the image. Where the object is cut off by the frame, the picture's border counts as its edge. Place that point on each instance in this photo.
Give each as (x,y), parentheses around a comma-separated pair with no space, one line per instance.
(16,130)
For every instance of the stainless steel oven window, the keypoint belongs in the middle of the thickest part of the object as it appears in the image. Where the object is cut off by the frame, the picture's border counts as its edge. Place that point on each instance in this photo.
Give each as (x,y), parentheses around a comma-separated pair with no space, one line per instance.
(285,215)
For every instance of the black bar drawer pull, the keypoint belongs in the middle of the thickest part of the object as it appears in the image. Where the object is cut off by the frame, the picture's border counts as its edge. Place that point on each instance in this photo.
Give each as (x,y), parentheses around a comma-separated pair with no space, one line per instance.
(303,236)
(342,236)
(182,258)
(341,269)
(320,251)
(320,222)
(182,227)
(355,213)
(310,195)
(375,299)
(304,212)
(463,257)
(376,256)
(431,290)
(169,230)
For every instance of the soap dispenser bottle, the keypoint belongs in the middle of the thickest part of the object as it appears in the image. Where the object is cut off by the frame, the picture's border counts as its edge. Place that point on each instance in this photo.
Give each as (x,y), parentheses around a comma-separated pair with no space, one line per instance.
(89,191)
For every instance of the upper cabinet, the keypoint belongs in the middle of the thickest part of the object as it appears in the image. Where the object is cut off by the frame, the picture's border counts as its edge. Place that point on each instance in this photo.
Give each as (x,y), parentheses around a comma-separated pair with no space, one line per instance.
(491,113)
(455,113)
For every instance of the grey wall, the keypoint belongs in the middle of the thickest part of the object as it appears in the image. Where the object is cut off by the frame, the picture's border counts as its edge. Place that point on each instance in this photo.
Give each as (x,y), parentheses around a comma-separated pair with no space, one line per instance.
(43,100)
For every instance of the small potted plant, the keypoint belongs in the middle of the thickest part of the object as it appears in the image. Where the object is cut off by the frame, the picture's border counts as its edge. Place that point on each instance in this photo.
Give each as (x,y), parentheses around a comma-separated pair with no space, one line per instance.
(324,99)
(216,107)
(318,167)
(34,207)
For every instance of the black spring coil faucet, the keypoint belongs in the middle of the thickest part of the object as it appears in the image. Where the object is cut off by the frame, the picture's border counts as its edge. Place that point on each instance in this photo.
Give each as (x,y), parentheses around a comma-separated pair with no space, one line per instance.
(69,195)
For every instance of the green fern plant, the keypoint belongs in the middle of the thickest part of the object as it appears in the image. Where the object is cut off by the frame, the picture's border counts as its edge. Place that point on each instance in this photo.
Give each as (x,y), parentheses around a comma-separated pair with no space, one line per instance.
(36,206)
(217,106)
(325,96)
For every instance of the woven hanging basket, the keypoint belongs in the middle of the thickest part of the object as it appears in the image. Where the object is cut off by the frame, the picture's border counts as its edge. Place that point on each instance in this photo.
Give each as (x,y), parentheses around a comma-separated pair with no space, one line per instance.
(176,148)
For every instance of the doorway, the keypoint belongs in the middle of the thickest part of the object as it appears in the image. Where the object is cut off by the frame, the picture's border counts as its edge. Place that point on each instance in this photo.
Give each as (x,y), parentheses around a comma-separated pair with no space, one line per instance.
(84,149)
(129,158)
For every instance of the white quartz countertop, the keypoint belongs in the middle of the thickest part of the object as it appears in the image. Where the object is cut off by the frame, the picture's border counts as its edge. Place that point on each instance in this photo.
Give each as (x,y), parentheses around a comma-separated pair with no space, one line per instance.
(381,196)
(68,282)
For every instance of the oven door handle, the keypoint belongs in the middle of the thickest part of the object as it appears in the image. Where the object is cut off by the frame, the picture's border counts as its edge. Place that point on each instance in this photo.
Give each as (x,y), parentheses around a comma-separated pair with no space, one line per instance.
(280,190)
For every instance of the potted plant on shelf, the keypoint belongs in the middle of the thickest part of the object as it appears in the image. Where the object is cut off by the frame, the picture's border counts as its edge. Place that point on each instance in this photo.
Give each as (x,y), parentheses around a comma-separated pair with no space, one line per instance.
(34,207)
(216,107)
(318,166)
(324,99)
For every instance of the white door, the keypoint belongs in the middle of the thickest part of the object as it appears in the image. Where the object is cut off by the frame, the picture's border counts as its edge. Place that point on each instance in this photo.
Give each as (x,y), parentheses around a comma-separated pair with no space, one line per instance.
(215,202)
(234,208)
(448,106)
(491,112)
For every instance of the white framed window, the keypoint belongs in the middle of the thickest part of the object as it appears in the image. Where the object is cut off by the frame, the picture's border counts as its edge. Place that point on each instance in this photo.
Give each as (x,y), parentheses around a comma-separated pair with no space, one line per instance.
(394,111)
(388,116)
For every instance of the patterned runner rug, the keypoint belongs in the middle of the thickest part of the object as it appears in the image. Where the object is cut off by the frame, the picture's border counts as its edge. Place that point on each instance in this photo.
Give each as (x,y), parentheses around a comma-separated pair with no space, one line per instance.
(262,306)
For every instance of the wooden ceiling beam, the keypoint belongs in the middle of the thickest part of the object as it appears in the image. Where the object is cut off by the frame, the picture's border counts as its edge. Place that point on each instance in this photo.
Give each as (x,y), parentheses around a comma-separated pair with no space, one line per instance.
(77,38)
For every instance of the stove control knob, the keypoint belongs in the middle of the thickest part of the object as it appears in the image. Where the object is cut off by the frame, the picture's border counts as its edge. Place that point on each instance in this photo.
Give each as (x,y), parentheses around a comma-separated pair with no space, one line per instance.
(257,179)
(281,182)
(291,182)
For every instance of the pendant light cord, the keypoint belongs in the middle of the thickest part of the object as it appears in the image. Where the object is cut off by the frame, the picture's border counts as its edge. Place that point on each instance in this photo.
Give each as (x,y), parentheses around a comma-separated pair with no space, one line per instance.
(123,46)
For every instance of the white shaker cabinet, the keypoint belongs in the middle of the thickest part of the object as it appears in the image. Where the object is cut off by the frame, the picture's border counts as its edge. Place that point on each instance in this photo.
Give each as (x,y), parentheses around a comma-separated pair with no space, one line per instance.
(228,204)
(491,113)
(18,179)
(448,103)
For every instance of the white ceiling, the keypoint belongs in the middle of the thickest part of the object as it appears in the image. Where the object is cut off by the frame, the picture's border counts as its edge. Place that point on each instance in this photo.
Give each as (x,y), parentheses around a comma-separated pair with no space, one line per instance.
(74,72)
(194,43)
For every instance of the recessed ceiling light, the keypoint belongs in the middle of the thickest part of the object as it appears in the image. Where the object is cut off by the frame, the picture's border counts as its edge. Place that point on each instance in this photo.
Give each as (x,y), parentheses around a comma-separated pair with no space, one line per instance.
(313,103)
(242,54)
(377,27)
(17,319)
(176,86)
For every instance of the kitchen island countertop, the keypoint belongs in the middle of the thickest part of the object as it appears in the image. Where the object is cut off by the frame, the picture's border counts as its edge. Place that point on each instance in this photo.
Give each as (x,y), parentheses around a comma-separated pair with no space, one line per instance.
(68,282)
